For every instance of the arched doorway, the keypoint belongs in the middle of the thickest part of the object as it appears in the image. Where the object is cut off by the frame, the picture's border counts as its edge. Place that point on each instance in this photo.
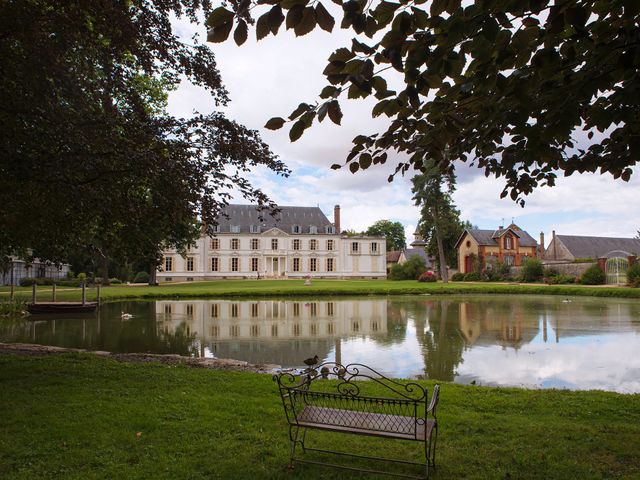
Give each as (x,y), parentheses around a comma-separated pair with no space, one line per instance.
(616,268)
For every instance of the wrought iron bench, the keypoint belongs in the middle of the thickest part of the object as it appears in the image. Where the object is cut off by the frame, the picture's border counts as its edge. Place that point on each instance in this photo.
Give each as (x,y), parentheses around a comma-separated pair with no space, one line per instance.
(311,401)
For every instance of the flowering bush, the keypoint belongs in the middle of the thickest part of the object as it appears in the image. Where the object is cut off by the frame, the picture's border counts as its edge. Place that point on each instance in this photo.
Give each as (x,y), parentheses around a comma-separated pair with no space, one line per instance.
(428,276)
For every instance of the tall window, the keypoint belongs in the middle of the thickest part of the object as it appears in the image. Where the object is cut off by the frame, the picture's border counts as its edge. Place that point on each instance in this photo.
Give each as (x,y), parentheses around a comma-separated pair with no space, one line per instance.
(354,247)
(254,309)
(168,264)
(255,244)
(374,247)
(330,309)
(313,264)
(234,310)
(190,264)
(215,264)
(215,310)
(274,244)
(296,264)
(235,243)
(313,244)
(215,244)
(509,260)
(254,264)
(235,263)
(507,242)
(329,244)
(296,309)
(296,244)
(296,229)
(329,264)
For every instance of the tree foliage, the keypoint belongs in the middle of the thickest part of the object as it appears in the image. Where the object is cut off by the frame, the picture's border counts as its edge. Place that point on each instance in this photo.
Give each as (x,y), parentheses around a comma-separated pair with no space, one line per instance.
(393,231)
(522,89)
(90,159)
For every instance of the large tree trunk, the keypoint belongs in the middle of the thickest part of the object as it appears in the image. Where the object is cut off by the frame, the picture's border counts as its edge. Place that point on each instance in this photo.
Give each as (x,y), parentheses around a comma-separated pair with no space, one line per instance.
(153,280)
(105,270)
(442,261)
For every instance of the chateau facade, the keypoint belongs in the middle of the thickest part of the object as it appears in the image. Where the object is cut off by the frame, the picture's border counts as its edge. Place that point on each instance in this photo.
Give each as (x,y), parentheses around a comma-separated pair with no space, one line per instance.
(298,242)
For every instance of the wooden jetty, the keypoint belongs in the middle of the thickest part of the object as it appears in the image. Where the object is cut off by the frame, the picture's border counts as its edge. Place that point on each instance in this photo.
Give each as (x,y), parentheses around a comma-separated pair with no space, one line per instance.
(36,307)
(62,307)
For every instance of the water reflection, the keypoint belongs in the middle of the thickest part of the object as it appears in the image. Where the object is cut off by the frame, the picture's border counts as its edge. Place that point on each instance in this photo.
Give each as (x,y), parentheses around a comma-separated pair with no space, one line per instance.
(498,340)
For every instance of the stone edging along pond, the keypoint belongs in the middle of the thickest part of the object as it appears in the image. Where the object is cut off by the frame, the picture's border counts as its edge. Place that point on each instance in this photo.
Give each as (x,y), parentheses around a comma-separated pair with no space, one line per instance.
(33,350)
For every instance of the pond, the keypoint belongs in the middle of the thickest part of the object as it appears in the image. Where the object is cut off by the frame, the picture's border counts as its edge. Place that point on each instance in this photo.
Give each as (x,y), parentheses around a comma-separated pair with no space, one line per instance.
(529,341)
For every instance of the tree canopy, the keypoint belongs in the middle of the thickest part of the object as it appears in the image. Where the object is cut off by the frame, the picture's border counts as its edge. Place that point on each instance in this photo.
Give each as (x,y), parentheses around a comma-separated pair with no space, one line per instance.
(90,158)
(393,231)
(524,89)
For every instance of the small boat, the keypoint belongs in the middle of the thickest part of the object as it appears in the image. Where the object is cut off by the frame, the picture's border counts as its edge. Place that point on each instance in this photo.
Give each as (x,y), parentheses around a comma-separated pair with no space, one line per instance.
(62,307)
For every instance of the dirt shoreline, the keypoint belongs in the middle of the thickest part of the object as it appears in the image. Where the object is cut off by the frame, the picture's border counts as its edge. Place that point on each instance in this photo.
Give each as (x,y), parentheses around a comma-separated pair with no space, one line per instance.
(29,349)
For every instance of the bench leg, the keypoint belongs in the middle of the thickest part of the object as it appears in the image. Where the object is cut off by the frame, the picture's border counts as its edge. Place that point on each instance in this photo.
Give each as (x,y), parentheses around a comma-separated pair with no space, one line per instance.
(295,437)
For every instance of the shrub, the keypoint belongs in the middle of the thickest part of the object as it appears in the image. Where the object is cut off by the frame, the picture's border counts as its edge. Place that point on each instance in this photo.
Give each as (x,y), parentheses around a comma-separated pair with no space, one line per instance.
(141,277)
(633,275)
(29,281)
(550,272)
(472,277)
(560,279)
(74,282)
(457,277)
(409,270)
(115,281)
(82,277)
(593,276)
(428,276)
(532,270)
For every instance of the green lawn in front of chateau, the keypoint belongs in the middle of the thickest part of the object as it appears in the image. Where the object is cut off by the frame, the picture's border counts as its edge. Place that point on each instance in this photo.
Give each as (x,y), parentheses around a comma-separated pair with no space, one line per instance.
(286,288)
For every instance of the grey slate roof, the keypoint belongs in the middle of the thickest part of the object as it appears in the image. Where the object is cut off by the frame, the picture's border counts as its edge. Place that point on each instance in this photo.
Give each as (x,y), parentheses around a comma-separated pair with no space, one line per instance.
(488,237)
(594,247)
(410,252)
(245,216)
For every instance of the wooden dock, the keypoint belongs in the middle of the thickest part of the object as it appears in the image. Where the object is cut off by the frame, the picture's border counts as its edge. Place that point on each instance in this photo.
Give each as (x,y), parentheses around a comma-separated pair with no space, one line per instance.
(62,307)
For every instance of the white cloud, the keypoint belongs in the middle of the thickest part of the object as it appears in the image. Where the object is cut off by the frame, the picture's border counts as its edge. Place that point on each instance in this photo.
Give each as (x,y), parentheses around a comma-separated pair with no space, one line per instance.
(269,78)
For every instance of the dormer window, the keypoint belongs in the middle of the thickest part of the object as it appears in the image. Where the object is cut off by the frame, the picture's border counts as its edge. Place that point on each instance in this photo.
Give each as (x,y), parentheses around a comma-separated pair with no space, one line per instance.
(296,229)
(330,229)
(254,228)
(235,228)
(313,229)
(216,229)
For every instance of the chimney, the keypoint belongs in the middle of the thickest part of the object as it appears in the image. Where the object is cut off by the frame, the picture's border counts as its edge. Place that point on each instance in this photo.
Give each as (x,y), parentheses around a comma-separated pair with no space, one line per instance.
(336,218)
(553,240)
(541,245)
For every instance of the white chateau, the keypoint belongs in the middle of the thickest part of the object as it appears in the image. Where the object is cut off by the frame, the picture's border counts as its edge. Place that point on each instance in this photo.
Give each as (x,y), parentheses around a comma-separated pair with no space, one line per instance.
(299,242)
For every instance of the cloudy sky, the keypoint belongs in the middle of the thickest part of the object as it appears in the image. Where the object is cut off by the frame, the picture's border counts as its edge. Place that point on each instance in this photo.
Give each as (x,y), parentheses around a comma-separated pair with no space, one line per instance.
(269,78)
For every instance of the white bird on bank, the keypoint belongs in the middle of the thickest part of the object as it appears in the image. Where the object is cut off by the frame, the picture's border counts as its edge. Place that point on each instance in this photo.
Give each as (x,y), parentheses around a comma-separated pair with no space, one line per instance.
(125,316)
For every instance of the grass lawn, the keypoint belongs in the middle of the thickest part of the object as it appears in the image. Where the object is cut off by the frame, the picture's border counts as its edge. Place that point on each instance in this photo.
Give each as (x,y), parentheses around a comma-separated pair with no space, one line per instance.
(264,288)
(79,416)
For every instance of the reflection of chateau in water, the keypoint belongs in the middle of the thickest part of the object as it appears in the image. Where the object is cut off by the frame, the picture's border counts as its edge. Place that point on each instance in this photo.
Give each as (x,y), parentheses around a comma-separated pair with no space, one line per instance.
(434,337)
(274,331)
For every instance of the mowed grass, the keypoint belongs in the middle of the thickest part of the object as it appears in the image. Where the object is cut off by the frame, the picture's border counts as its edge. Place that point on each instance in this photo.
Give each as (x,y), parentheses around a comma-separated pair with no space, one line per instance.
(81,416)
(283,288)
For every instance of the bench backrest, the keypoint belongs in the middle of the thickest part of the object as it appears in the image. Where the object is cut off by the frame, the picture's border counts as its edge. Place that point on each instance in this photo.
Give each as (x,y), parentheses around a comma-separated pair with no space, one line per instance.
(335,392)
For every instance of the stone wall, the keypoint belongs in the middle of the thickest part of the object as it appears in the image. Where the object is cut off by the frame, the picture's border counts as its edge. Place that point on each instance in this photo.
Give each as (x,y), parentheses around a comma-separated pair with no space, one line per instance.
(575,269)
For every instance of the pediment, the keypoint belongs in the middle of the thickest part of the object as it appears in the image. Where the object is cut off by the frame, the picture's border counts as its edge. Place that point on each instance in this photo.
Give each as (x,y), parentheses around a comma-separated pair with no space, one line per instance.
(275,232)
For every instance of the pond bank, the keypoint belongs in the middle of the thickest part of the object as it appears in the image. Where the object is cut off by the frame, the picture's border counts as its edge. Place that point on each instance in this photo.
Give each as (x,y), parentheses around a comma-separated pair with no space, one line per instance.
(33,350)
